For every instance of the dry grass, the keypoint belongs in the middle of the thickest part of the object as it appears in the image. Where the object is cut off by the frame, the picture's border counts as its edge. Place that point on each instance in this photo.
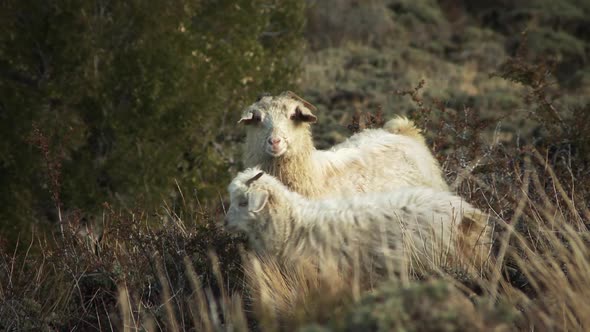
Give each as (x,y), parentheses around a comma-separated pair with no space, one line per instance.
(550,252)
(176,270)
(536,281)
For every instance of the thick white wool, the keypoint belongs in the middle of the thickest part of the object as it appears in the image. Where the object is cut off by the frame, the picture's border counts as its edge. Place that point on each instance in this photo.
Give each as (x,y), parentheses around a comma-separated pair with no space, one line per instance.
(374,160)
(368,229)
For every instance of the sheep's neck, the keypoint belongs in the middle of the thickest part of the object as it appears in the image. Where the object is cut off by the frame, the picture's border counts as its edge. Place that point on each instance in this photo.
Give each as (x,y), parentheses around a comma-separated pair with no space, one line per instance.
(285,221)
(297,172)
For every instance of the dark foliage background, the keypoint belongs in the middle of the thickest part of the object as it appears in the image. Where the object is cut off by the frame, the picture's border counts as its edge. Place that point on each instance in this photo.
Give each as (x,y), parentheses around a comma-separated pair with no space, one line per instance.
(132,97)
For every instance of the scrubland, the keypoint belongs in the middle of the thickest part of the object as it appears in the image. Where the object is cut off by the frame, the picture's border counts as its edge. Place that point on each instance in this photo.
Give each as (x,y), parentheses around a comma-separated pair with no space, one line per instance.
(505,112)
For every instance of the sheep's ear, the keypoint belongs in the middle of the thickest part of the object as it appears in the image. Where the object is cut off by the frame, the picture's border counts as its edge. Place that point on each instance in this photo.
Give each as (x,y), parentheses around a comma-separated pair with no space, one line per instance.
(250,117)
(304,115)
(257,199)
(307,104)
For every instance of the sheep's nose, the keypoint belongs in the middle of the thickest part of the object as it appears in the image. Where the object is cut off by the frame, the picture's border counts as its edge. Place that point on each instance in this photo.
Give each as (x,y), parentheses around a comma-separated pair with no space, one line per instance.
(274,140)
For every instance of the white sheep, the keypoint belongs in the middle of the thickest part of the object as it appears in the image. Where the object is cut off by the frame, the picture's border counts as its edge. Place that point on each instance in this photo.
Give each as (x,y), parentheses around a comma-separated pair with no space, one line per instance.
(279,141)
(372,230)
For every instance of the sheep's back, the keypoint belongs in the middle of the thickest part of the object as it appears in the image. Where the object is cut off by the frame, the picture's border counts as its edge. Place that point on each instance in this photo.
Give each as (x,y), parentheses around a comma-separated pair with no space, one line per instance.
(378,228)
(378,161)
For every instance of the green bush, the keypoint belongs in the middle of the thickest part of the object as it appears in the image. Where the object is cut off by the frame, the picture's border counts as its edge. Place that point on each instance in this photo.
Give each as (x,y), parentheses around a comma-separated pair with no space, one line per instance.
(130,96)
(420,306)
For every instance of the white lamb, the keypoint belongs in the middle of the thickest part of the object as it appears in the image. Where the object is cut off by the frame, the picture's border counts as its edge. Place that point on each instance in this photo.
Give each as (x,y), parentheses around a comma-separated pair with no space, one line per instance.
(375,160)
(372,230)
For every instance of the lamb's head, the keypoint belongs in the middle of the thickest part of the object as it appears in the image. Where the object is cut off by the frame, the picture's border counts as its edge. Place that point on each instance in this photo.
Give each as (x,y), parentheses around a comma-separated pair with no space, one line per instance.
(278,126)
(248,210)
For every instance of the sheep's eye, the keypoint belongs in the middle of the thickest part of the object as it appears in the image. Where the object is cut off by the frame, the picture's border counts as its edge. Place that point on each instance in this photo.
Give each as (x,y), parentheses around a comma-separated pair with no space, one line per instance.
(243,203)
(297,116)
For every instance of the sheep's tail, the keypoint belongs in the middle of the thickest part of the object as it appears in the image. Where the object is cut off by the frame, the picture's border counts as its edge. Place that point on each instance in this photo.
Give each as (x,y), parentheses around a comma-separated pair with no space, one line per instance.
(476,233)
(404,126)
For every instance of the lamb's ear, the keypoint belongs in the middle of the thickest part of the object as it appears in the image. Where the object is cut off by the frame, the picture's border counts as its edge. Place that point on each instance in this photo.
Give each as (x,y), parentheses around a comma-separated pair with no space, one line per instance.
(257,199)
(254,178)
(262,95)
(250,117)
(303,114)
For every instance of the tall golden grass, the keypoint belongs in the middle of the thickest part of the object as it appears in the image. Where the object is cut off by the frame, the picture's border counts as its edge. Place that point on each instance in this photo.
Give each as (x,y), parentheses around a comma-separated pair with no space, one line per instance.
(534,279)
(546,246)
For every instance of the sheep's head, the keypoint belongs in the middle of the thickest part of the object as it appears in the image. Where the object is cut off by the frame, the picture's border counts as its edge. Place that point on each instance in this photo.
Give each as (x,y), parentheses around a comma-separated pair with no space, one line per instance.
(278,125)
(247,213)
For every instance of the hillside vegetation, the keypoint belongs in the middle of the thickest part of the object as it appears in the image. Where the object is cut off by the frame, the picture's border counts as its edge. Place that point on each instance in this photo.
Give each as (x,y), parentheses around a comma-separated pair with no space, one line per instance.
(118,142)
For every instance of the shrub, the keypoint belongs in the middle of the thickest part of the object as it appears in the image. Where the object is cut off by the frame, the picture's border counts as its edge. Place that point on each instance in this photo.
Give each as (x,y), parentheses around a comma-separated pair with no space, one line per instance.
(131,96)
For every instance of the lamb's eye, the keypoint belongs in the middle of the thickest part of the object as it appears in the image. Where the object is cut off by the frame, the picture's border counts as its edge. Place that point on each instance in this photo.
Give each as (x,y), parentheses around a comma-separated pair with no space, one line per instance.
(243,203)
